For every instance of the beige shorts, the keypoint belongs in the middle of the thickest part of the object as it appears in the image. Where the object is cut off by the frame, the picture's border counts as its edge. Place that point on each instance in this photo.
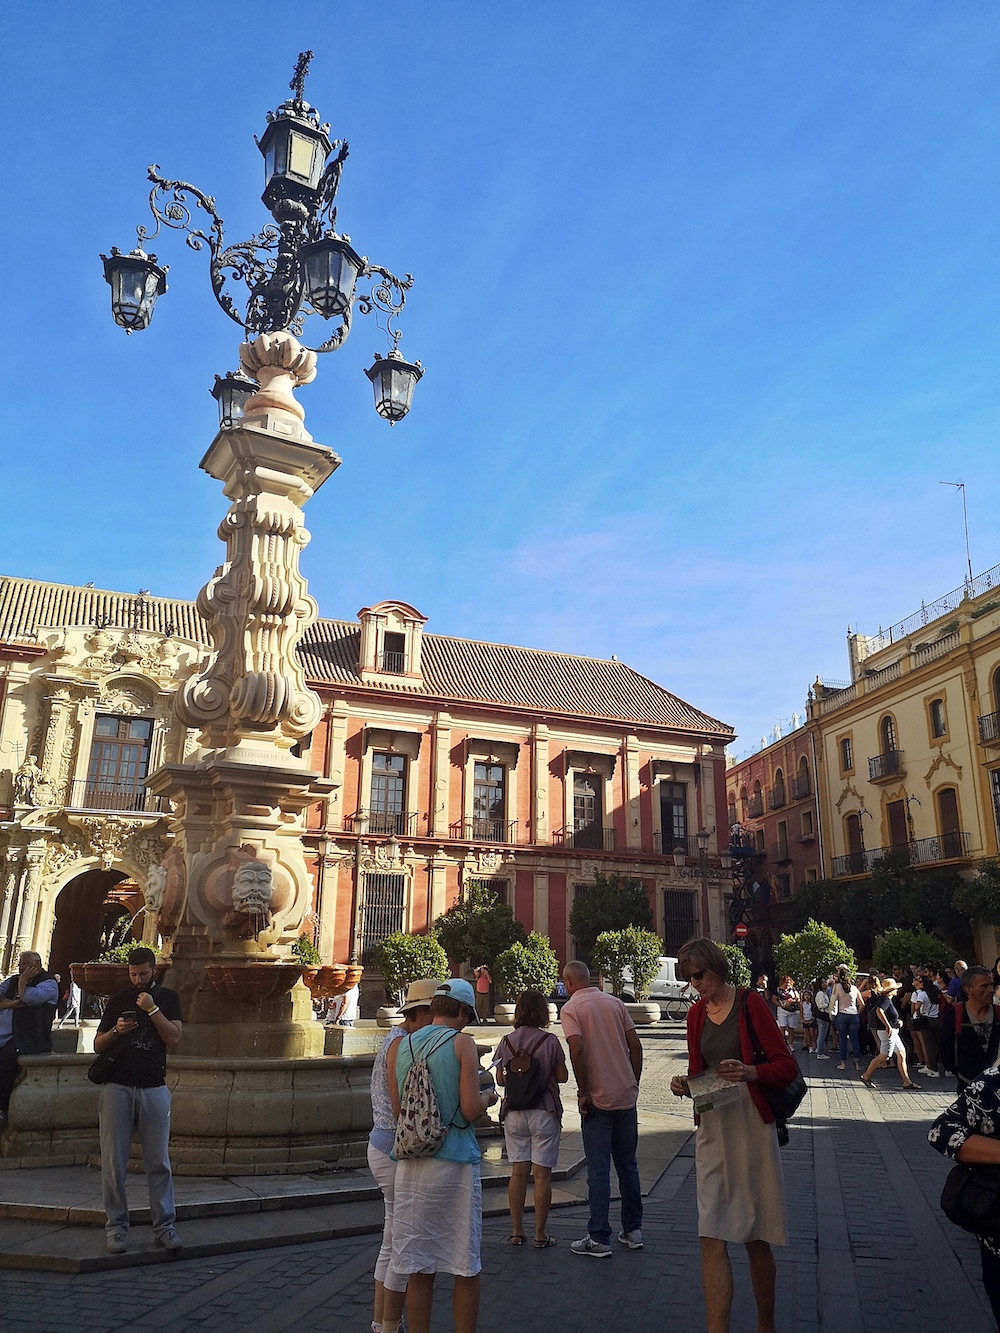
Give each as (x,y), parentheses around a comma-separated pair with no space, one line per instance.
(532,1136)
(787,1020)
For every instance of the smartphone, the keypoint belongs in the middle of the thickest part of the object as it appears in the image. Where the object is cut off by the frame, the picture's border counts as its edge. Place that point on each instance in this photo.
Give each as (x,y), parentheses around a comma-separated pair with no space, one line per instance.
(129,1015)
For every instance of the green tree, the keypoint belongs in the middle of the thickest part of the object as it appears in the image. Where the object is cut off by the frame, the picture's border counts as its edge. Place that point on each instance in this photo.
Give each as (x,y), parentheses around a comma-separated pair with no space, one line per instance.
(532,965)
(634,950)
(979,896)
(902,947)
(612,902)
(403,958)
(478,928)
(812,952)
(306,952)
(739,965)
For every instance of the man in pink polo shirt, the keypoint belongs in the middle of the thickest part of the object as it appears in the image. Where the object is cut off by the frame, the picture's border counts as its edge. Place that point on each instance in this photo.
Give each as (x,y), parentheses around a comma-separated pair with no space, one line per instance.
(607,1062)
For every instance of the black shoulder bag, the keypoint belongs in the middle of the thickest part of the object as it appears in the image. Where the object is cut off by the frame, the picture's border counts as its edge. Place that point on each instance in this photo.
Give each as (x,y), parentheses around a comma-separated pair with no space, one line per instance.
(784,1102)
(971,1198)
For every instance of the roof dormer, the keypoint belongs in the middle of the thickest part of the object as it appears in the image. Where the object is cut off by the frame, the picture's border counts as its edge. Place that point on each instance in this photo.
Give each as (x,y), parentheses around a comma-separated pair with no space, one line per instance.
(390,643)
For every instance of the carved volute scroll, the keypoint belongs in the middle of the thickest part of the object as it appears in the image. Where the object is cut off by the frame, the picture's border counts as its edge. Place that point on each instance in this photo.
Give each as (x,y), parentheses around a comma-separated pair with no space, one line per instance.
(257,605)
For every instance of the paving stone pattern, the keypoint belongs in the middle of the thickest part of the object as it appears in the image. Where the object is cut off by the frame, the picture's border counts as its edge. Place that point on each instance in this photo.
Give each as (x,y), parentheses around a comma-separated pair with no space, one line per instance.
(869,1249)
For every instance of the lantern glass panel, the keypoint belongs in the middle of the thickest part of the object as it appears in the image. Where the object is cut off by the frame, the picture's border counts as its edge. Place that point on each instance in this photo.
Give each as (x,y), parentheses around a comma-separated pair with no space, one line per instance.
(330,271)
(302,157)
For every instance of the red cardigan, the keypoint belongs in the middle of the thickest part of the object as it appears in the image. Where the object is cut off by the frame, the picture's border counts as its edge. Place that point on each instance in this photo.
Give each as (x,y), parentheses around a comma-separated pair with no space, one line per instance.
(780,1067)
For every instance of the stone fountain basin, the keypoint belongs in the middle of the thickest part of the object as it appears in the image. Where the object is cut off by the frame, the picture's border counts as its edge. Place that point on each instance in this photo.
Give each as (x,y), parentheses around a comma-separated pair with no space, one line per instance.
(335,979)
(108,978)
(250,983)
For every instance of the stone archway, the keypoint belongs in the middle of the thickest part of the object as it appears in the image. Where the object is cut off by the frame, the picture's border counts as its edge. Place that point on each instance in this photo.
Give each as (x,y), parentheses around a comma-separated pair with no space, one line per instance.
(85,912)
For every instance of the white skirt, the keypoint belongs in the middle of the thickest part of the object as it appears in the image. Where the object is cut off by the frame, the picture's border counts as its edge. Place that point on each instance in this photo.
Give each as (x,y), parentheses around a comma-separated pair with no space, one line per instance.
(437,1217)
(741,1195)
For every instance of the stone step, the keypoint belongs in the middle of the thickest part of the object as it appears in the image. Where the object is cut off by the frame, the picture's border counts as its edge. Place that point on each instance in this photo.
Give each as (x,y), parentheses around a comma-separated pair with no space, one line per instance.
(66,1248)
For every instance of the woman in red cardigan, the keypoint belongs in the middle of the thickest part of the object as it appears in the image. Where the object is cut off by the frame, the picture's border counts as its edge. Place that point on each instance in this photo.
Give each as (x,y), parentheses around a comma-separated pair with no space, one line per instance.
(741,1197)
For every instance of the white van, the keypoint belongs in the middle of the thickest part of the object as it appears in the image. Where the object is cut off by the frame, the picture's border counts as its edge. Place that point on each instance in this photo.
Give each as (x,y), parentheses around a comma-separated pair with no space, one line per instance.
(673,995)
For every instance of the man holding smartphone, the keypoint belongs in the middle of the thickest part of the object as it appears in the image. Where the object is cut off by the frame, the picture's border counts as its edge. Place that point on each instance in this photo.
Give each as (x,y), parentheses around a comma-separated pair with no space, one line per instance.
(141,1024)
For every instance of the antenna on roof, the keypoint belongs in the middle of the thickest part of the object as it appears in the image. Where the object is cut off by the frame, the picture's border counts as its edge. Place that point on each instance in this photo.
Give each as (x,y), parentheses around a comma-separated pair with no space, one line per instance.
(960,486)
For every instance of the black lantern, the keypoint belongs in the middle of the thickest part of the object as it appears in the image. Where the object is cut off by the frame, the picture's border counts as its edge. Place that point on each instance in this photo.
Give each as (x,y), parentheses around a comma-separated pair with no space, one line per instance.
(136,281)
(295,148)
(330,268)
(232,392)
(393,380)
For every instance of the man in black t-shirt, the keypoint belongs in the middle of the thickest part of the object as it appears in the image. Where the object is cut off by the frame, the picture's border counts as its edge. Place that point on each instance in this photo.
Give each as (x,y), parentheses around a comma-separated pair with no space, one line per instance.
(140,1025)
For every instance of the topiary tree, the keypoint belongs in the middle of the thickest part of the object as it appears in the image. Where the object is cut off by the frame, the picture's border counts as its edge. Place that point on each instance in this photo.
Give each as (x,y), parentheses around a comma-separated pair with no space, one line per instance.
(478,928)
(611,903)
(900,948)
(631,950)
(739,965)
(528,966)
(812,952)
(403,958)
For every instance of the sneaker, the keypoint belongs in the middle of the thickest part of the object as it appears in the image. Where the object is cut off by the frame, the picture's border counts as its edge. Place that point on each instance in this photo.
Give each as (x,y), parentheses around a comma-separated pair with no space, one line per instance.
(842,1065)
(117,1242)
(595,1248)
(822,1057)
(633,1239)
(169,1240)
(931,1073)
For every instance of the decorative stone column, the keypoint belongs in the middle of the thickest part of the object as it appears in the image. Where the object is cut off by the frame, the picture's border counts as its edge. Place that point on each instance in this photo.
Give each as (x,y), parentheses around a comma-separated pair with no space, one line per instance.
(540,783)
(237,885)
(13,866)
(34,865)
(630,767)
(440,775)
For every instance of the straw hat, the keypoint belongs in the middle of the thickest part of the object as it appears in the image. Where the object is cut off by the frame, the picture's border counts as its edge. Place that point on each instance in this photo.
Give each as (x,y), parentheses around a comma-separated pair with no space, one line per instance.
(419,995)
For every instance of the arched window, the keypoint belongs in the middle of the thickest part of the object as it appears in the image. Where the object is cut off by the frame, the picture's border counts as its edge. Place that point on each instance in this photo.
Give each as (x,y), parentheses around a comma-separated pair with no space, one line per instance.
(757,800)
(731,812)
(855,844)
(744,801)
(996,690)
(939,724)
(949,823)
(803,787)
(779,784)
(887,733)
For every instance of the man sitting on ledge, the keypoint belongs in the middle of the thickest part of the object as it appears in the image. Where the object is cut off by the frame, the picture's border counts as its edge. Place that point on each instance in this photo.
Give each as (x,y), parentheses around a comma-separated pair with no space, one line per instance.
(28,1003)
(140,1025)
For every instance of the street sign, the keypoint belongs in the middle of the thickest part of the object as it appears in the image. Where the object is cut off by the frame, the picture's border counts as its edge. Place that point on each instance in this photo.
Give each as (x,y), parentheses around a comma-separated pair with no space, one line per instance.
(741,931)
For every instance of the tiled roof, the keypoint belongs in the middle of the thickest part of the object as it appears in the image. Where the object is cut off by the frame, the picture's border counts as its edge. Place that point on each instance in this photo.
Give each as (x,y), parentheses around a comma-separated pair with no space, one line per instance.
(465,670)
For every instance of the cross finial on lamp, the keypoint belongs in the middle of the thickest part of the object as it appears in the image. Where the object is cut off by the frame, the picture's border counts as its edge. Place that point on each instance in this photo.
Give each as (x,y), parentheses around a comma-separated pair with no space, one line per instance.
(298,82)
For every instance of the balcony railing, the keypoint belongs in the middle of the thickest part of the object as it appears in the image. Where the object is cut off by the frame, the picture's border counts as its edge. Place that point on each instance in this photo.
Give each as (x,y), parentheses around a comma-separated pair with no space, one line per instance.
(780,853)
(402,823)
(484,830)
(591,837)
(886,765)
(395,663)
(755,806)
(922,851)
(664,844)
(801,787)
(86,795)
(776,798)
(989,728)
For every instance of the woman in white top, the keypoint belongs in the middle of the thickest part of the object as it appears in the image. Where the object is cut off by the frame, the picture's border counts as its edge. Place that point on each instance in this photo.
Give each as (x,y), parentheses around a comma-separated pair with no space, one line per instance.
(924,1008)
(845,1010)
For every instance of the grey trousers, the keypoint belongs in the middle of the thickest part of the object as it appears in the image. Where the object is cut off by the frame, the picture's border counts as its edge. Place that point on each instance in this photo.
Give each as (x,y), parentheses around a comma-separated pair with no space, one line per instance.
(123,1112)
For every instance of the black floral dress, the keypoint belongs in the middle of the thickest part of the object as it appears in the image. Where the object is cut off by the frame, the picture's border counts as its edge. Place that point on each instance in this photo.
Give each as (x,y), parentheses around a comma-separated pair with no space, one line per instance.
(976,1111)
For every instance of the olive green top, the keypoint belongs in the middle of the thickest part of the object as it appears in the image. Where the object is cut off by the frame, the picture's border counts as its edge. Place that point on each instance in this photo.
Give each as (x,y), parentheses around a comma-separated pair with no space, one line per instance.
(721,1041)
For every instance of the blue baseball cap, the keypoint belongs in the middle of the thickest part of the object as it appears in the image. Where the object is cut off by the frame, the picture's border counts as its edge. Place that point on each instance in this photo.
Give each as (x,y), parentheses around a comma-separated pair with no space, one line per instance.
(458,990)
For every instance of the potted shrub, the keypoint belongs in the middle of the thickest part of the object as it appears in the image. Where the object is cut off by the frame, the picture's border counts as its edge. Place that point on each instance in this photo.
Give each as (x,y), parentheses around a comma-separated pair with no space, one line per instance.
(108,973)
(630,959)
(403,958)
(528,966)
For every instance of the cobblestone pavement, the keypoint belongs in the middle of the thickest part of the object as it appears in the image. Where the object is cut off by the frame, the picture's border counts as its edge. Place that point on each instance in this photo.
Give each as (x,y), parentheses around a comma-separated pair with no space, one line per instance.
(869,1249)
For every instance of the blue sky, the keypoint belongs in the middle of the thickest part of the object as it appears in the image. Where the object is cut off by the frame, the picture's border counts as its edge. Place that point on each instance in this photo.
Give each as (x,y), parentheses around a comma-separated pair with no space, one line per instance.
(707,294)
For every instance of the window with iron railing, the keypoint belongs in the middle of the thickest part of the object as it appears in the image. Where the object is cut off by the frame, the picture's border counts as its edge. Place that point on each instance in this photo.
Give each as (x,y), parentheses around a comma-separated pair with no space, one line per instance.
(489,803)
(382,908)
(386,812)
(394,653)
(119,757)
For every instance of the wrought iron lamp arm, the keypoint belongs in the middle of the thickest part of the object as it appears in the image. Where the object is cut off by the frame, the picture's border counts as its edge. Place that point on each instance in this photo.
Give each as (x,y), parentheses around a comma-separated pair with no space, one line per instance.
(242,260)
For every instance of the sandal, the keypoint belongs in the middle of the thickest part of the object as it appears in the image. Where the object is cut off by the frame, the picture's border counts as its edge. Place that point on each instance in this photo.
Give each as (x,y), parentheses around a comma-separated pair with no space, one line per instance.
(516,1240)
(911,1087)
(868,1083)
(545,1244)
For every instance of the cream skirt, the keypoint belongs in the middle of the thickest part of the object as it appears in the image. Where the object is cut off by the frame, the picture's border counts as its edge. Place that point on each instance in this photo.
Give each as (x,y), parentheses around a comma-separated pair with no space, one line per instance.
(437,1224)
(741,1196)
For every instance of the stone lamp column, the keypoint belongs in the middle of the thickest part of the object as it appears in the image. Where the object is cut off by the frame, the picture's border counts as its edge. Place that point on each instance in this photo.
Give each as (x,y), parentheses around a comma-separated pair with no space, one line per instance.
(237,887)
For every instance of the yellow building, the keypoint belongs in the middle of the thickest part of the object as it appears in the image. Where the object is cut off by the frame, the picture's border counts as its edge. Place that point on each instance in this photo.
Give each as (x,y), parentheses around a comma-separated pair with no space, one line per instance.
(908,752)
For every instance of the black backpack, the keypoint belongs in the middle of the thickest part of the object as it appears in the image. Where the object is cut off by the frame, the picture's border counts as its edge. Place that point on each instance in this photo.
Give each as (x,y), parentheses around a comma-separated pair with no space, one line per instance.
(524,1079)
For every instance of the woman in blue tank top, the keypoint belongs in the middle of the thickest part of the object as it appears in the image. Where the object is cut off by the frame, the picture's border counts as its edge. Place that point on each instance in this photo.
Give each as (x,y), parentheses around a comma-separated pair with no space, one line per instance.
(438,1215)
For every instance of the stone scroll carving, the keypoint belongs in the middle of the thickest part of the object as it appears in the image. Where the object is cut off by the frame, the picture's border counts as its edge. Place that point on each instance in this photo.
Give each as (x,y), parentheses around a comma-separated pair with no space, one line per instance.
(257,606)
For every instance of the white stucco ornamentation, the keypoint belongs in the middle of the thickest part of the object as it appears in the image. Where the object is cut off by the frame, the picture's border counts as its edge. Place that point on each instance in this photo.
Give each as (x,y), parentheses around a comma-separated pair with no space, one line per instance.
(155,889)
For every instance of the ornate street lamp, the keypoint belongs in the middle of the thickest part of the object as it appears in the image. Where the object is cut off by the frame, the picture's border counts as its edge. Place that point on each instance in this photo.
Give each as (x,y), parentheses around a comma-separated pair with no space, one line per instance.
(679,855)
(296,267)
(232,392)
